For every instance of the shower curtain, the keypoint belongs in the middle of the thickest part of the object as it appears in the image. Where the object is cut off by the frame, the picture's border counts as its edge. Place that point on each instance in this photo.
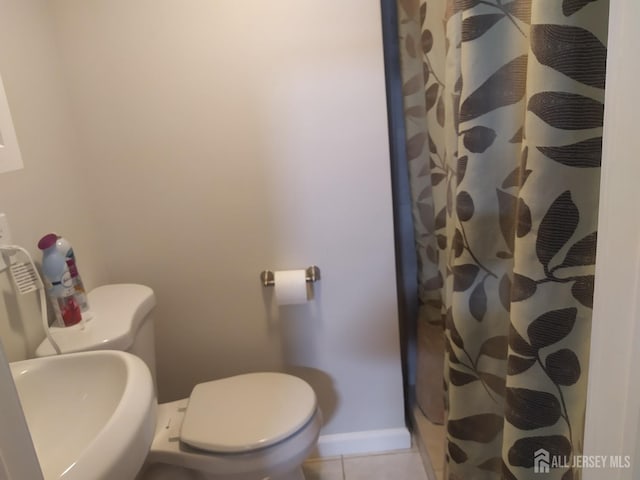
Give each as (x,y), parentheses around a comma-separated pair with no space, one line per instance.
(503,109)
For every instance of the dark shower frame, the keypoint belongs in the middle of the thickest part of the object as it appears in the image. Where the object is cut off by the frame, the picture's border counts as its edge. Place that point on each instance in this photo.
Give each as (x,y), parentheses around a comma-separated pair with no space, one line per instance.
(405,252)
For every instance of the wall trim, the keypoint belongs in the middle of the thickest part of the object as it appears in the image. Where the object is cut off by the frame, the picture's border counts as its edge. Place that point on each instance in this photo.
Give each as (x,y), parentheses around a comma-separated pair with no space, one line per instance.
(363,442)
(613,398)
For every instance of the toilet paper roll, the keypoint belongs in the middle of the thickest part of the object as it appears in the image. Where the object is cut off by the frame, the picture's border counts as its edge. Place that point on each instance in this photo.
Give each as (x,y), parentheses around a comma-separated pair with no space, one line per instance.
(290,287)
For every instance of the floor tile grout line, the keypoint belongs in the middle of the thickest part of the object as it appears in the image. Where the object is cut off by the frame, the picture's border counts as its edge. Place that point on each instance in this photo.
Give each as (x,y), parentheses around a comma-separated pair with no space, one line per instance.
(424,475)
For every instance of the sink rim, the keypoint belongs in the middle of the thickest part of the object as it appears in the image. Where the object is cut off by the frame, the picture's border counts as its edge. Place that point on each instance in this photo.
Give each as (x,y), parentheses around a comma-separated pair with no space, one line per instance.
(119,448)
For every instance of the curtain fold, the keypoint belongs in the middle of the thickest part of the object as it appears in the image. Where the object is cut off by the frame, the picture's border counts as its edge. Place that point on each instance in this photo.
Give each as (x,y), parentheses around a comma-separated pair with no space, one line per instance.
(503,112)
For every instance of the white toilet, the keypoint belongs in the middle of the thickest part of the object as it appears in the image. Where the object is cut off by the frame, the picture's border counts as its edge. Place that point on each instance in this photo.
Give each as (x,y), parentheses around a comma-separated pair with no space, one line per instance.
(256,426)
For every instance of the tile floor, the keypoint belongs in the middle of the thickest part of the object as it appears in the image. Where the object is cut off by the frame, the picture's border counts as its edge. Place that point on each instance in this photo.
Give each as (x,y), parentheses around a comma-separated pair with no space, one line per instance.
(431,442)
(401,465)
(424,461)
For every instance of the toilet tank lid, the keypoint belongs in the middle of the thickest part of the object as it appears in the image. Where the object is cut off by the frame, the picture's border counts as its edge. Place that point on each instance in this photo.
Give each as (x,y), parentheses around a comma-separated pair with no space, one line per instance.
(117,313)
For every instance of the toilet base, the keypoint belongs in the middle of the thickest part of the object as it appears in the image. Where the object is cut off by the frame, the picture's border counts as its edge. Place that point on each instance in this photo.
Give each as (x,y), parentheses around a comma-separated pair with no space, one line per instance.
(159,471)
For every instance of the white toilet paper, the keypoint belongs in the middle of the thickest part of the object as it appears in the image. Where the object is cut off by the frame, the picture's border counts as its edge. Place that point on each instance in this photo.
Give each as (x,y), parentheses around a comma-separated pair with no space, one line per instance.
(290,287)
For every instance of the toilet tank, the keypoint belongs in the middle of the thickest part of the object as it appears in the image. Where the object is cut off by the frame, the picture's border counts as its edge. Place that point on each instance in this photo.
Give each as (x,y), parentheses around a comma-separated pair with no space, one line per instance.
(122,320)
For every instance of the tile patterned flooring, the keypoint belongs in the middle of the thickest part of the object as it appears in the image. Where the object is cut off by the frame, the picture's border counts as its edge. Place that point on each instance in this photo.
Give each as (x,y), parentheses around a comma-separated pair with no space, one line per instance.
(431,439)
(400,465)
(424,461)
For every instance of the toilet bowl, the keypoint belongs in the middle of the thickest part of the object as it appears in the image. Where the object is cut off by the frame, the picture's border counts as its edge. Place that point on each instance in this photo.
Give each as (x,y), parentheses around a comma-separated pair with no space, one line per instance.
(255,426)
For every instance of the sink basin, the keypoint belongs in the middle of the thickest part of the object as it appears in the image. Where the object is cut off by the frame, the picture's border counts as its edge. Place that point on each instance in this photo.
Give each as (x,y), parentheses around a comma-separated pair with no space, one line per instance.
(91,415)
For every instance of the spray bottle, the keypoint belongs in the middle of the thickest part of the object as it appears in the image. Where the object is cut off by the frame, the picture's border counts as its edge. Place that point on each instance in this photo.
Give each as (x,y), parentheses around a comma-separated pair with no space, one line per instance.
(64,247)
(59,283)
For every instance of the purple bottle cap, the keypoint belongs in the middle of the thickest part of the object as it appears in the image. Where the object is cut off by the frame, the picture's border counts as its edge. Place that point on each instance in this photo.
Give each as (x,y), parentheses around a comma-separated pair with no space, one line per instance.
(47,241)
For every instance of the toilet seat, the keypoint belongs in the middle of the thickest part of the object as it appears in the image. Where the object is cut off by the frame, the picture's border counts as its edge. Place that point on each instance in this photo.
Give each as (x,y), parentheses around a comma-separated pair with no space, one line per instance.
(246,412)
(284,456)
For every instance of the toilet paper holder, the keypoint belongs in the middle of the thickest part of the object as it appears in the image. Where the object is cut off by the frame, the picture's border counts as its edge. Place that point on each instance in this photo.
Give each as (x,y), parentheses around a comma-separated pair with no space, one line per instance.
(312,274)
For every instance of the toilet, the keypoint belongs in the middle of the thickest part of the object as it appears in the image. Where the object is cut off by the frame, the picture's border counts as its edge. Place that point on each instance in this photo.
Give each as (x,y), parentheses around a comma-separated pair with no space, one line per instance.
(255,426)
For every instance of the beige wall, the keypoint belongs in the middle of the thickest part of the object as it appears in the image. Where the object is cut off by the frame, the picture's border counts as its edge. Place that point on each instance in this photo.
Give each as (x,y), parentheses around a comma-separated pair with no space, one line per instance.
(51,193)
(216,139)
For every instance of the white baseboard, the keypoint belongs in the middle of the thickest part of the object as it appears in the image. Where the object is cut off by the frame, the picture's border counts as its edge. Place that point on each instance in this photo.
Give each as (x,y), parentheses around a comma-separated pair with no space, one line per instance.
(364,442)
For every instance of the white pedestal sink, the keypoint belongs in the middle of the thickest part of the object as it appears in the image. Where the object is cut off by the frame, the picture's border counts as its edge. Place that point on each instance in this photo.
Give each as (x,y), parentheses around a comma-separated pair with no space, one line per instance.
(91,415)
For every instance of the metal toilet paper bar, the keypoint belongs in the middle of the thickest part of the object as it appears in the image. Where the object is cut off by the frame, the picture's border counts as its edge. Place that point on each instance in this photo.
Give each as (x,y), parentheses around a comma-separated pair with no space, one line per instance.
(312,274)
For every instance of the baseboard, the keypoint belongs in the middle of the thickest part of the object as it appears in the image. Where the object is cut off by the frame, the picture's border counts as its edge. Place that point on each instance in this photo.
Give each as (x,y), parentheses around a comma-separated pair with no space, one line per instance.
(364,442)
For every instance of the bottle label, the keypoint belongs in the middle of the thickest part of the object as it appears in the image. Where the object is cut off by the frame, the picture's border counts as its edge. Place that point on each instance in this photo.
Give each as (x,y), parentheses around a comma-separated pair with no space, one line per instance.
(69,310)
(78,287)
(65,305)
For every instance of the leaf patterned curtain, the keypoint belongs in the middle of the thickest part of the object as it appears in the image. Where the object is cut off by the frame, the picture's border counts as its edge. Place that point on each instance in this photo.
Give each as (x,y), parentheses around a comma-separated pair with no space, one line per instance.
(504,110)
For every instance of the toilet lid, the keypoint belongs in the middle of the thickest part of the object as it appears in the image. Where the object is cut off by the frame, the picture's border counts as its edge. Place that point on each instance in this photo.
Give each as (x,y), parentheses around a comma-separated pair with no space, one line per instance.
(246,412)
